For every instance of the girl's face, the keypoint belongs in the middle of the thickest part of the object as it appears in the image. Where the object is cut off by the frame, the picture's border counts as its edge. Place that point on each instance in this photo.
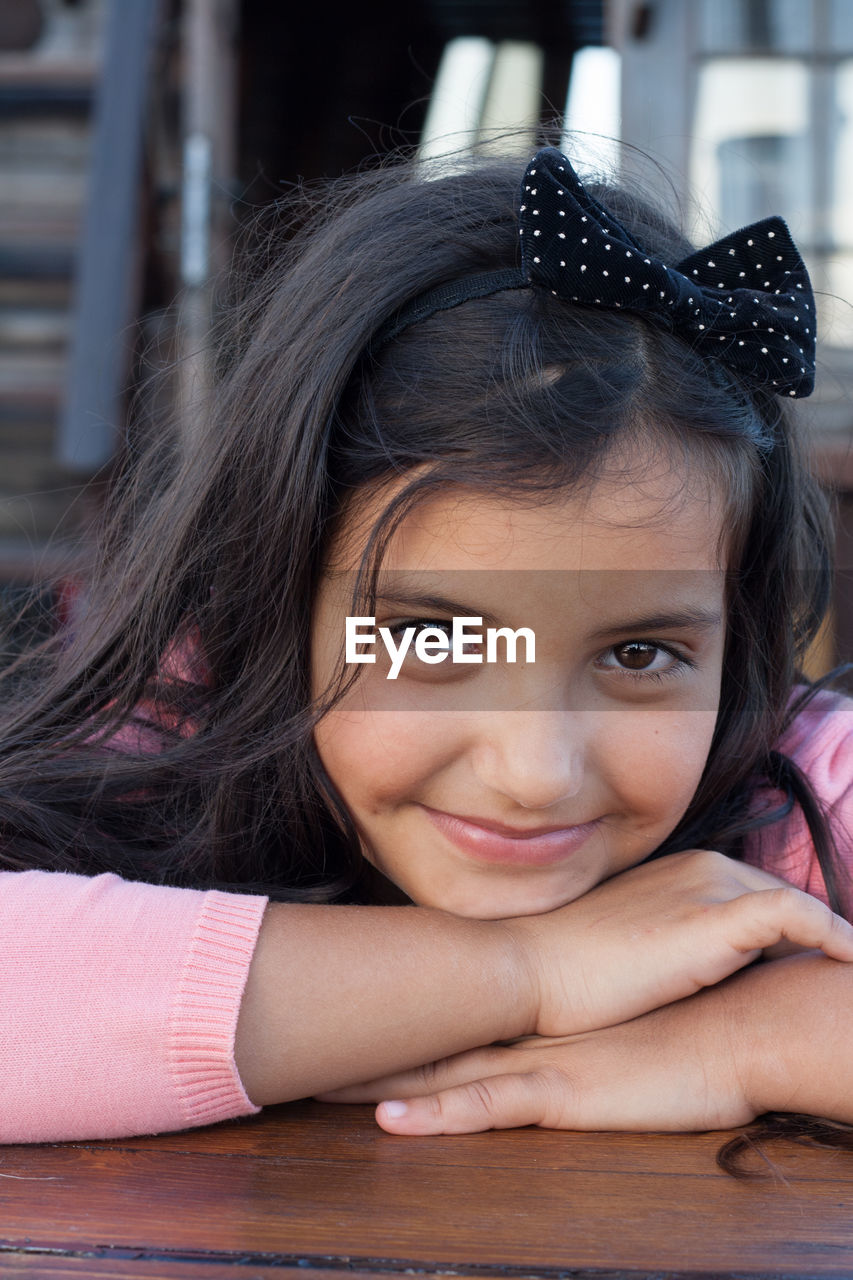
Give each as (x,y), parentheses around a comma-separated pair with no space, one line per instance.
(497,789)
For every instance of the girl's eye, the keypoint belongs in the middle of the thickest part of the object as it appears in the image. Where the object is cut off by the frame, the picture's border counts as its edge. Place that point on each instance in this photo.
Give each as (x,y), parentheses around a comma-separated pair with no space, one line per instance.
(420,624)
(398,629)
(641,657)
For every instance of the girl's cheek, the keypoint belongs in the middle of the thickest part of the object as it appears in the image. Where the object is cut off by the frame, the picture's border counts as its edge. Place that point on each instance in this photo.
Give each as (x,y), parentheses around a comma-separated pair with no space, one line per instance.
(661,756)
(381,755)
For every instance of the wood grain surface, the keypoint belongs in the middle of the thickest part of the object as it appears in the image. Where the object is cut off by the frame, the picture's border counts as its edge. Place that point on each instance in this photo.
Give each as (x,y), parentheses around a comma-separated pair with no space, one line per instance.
(322,1189)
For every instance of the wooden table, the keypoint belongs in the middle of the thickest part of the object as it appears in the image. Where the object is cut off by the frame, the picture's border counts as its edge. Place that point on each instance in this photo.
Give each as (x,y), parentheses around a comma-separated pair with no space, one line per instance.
(321,1192)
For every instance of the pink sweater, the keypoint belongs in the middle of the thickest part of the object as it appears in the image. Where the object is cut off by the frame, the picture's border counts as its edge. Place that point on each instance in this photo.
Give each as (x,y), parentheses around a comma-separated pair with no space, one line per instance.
(120,1000)
(119,1005)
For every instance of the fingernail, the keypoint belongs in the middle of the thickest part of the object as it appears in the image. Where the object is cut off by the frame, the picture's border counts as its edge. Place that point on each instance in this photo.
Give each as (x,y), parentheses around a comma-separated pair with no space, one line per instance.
(394,1110)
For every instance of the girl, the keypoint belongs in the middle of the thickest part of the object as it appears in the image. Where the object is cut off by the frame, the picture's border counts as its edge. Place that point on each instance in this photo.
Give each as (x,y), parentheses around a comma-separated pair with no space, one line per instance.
(498,891)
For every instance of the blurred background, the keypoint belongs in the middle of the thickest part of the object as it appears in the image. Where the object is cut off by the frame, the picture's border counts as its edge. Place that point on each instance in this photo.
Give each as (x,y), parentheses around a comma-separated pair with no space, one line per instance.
(138,136)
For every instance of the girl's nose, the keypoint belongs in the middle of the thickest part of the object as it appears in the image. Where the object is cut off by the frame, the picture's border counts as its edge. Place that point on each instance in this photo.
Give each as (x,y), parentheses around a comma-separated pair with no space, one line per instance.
(535,758)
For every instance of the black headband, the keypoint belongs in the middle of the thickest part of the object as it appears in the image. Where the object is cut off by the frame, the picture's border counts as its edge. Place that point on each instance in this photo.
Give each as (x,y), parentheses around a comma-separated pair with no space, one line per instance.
(745,300)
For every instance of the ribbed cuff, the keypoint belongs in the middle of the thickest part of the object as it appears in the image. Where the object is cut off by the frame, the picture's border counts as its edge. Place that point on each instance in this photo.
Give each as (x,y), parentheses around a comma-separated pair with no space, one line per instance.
(203,1017)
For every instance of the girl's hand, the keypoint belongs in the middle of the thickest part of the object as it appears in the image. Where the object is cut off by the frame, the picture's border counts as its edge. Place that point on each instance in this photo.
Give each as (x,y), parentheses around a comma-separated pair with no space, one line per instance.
(662,931)
(678,1068)
(778,1037)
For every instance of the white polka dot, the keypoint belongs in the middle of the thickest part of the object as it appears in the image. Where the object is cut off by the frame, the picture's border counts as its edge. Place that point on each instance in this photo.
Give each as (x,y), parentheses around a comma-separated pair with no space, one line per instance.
(764,351)
(628,281)
(583,266)
(537,259)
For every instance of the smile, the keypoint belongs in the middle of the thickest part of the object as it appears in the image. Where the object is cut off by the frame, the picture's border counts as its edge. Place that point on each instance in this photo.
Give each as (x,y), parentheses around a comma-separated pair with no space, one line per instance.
(493,844)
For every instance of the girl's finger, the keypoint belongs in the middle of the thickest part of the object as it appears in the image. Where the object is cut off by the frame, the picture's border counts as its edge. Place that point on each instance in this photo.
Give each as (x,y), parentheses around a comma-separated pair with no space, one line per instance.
(772,915)
(497,1102)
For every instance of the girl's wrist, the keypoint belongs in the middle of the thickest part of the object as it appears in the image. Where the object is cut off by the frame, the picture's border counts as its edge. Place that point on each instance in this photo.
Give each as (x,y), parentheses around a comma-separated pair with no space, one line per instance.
(524,985)
(788,1026)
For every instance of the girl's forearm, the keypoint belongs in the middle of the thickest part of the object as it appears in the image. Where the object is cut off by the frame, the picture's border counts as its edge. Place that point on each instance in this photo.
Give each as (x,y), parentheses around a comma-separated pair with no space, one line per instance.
(337,994)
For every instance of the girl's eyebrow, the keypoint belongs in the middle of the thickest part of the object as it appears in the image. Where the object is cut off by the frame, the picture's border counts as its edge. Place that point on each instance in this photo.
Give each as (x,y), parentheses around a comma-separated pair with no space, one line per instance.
(429,601)
(689,619)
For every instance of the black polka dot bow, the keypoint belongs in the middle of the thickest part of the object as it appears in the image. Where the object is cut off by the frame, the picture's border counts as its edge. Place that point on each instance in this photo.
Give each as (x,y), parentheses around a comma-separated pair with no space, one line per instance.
(746,299)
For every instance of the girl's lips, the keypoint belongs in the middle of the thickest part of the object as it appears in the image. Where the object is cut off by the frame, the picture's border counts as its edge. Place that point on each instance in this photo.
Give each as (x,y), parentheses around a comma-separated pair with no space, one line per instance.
(487,845)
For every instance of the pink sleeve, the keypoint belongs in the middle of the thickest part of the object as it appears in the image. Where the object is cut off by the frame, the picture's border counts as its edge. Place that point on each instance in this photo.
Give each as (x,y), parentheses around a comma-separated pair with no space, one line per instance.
(119,1005)
(820,741)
